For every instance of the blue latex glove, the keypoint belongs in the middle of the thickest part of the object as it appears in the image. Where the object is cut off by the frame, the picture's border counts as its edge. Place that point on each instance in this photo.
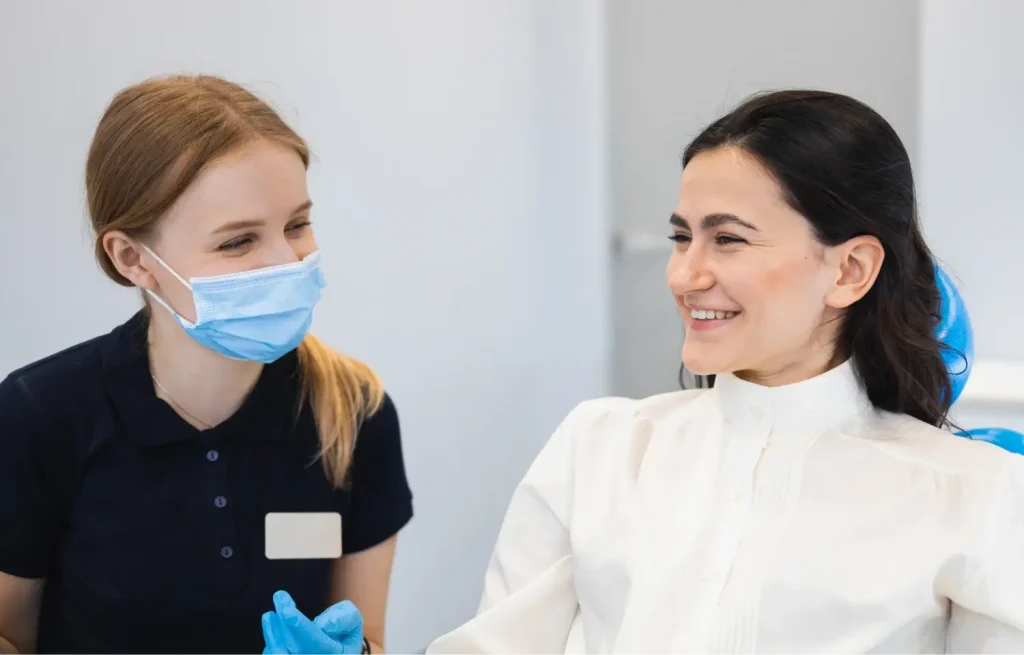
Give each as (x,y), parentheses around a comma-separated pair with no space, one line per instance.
(954,331)
(276,636)
(338,629)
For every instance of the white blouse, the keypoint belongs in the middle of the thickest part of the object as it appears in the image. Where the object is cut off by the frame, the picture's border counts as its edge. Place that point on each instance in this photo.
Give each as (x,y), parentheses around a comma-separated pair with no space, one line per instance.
(744,518)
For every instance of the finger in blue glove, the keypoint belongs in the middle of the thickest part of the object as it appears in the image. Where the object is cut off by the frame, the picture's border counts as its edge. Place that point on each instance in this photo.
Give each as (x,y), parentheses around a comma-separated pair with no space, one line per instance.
(343,622)
(309,638)
(275,635)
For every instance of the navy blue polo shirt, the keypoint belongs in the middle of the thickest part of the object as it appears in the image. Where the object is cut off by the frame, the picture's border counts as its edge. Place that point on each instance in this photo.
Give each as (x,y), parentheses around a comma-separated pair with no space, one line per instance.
(149,532)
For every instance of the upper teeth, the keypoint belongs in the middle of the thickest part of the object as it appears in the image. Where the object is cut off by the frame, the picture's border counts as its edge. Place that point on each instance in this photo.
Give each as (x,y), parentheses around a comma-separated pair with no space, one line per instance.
(706,314)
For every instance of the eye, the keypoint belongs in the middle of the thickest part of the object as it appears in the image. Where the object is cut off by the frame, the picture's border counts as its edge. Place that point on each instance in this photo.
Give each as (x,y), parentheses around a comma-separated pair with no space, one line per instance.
(299,226)
(728,239)
(237,242)
(681,237)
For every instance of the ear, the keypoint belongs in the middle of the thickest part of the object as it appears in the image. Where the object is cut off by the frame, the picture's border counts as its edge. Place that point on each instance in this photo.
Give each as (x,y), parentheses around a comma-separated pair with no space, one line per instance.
(126,255)
(858,262)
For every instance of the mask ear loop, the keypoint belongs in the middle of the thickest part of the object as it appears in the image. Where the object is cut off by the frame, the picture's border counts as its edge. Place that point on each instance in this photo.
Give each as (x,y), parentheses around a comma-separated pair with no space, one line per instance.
(181,319)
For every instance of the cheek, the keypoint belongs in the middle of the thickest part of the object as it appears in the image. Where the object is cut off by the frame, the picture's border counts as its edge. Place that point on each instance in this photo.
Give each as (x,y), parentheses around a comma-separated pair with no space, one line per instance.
(795,292)
(752,286)
(176,294)
(783,290)
(214,264)
(187,265)
(305,245)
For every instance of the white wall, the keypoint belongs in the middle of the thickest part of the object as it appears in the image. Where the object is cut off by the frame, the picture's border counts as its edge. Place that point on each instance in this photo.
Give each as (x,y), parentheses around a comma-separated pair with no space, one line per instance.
(459,190)
(969,179)
(972,142)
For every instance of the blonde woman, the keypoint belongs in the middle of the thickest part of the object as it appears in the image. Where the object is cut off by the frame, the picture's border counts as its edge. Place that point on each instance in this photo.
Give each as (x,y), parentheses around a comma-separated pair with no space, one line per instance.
(154,481)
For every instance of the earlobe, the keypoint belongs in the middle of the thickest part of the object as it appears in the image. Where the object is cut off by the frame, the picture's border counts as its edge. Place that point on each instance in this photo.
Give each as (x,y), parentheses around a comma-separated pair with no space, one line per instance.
(859,262)
(126,255)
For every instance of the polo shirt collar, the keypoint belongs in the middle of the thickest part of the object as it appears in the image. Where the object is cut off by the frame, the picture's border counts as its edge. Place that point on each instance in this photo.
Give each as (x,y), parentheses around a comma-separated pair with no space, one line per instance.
(267,414)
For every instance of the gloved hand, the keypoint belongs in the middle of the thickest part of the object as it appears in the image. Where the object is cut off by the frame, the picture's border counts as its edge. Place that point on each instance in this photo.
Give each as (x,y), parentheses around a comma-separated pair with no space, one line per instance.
(337,630)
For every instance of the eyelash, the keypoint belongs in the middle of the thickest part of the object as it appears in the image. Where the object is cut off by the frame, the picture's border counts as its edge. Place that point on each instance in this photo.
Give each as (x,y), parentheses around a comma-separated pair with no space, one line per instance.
(244,240)
(721,239)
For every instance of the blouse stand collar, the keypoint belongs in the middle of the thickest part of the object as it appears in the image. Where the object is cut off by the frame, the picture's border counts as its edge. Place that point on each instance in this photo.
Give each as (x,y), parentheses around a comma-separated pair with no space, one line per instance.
(826,401)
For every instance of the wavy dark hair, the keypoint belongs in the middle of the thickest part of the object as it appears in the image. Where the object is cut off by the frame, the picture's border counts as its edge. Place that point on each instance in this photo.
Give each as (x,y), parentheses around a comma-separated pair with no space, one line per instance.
(844,168)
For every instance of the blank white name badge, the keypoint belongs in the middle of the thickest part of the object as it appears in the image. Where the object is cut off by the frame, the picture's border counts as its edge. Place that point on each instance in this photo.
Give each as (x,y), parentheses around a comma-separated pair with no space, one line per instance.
(303,535)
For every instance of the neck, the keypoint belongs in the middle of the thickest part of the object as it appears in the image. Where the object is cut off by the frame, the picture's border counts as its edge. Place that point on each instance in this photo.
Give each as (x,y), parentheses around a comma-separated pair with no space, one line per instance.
(204,387)
(808,365)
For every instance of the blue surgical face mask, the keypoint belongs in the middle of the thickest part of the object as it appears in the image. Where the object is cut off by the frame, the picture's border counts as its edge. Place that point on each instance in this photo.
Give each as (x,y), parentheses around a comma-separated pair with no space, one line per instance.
(256,315)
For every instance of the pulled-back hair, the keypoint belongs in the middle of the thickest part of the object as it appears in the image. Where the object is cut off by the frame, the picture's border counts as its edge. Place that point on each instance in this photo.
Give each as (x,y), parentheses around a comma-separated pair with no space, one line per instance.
(153,141)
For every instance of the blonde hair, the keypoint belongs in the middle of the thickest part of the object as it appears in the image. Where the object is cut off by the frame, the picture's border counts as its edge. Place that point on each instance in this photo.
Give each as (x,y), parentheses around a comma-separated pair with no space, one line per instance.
(151,143)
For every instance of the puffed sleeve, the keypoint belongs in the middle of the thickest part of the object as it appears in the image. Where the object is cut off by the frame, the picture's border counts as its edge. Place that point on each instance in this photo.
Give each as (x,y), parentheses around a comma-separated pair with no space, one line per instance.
(381,500)
(28,511)
(529,600)
(988,608)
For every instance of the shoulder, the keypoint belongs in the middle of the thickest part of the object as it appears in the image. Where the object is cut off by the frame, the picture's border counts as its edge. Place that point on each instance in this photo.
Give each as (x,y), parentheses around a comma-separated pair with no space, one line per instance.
(55,392)
(383,420)
(652,408)
(1008,505)
(910,439)
(604,435)
(615,420)
(378,443)
(381,498)
(56,380)
(45,407)
(77,369)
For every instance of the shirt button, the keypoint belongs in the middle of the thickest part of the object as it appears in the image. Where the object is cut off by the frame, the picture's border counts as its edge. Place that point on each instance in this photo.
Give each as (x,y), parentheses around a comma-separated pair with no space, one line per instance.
(226,552)
(212,455)
(220,501)
(757,412)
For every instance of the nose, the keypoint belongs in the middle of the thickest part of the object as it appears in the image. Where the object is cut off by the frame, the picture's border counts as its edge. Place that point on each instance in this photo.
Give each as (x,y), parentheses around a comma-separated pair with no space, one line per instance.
(688,272)
(280,251)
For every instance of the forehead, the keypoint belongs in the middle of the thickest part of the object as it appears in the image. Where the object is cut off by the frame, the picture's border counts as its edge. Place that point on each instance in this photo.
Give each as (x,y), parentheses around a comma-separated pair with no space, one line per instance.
(728,180)
(263,180)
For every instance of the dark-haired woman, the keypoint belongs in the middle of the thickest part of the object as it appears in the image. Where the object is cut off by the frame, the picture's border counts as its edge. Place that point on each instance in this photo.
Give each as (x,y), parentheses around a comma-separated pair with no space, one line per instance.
(812,499)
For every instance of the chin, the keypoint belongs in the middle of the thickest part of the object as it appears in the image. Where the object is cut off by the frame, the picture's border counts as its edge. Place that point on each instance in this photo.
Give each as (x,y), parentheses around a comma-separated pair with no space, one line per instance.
(699,365)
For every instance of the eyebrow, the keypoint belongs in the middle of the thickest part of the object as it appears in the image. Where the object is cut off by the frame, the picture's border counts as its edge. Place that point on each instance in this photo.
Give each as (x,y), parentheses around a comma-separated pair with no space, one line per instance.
(256,222)
(303,207)
(712,221)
